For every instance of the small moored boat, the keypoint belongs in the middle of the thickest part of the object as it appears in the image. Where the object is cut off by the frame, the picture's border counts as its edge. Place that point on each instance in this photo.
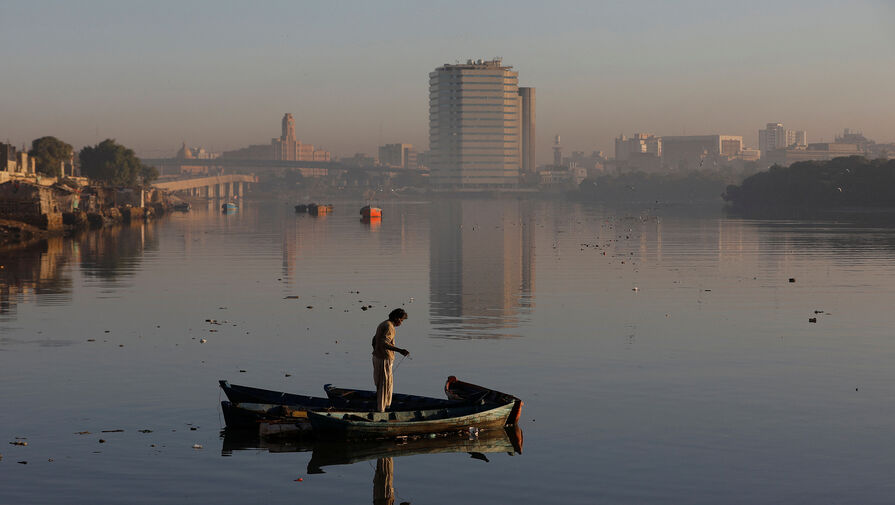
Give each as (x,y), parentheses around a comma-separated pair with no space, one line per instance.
(229,207)
(370,212)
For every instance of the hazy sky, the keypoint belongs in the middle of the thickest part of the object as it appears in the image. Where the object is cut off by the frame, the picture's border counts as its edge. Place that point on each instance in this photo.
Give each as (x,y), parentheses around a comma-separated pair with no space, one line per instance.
(220,74)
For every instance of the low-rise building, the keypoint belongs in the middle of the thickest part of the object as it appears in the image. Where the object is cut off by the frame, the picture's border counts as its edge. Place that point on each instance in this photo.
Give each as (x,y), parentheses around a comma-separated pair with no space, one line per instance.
(820,151)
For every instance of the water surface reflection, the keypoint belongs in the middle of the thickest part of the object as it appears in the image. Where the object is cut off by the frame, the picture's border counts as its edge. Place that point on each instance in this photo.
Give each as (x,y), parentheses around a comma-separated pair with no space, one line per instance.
(482,266)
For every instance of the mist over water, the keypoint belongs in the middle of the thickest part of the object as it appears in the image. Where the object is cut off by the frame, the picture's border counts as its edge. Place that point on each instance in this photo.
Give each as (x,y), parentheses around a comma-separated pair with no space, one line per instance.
(663,354)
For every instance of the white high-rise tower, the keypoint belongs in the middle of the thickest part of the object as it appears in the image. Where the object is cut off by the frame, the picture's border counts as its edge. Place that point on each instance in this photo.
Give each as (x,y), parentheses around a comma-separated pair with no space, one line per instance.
(476,126)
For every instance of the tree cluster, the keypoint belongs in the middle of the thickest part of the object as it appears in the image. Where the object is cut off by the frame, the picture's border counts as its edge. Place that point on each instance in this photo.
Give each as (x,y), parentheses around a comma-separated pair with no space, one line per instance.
(113,163)
(639,187)
(49,154)
(852,181)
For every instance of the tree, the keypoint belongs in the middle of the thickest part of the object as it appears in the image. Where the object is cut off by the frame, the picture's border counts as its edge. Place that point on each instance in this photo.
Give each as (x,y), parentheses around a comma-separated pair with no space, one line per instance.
(113,163)
(49,154)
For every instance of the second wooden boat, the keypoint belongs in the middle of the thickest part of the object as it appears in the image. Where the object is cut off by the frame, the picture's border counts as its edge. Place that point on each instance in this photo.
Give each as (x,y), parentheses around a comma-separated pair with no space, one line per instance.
(391,424)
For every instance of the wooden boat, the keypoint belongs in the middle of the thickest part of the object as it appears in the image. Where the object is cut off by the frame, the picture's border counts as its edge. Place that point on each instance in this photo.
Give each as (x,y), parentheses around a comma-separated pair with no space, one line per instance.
(345,398)
(319,210)
(301,208)
(391,424)
(182,207)
(456,389)
(276,412)
(369,212)
(229,207)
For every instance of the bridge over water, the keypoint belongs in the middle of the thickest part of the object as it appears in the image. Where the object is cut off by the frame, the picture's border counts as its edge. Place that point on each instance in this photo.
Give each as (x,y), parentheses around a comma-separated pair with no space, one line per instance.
(214,186)
(173,165)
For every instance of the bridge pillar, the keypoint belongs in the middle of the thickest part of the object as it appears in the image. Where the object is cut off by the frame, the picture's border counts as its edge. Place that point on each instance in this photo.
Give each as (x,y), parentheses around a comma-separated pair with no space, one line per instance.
(239,189)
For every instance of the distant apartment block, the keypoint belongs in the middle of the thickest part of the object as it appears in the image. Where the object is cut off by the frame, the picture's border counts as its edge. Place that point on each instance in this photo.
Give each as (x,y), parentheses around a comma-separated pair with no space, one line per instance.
(641,152)
(477,126)
(289,148)
(692,151)
(398,156)
(775,136)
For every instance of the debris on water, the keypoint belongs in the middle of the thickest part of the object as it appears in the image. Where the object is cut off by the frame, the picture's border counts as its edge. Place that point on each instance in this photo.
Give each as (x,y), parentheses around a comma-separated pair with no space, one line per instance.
(288,375)
(242,371)
(51,460)
(197,446)
(82,433)
(812,319)
(193,428)
(18,442)
(120,345)
(818,312)
(299,479)
(635,288)
(113,431)
(202,340)
(23,462)
(291,297)
(91,340)
(102,441)
(145,431)
(108,331)
(792,279)
(363,307)
(310,306)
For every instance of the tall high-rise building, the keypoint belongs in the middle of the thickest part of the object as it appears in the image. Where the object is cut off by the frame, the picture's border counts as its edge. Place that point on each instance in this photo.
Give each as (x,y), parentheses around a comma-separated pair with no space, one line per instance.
(528,130)
(775,136)
(476,131)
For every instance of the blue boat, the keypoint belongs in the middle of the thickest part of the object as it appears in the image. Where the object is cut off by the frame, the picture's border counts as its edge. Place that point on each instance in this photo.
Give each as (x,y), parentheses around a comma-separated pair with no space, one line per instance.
(229,207)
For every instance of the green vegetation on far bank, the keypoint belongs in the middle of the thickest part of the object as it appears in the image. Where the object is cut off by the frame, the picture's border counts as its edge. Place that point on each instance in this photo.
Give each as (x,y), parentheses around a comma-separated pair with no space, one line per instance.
(699,187)
(847,182)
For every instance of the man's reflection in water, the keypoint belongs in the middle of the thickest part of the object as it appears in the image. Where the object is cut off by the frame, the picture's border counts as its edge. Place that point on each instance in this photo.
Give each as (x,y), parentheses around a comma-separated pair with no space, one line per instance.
(383,491)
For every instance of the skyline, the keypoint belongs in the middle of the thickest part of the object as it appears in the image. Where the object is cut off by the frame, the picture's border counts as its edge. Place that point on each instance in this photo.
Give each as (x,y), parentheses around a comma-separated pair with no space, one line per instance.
(220,75)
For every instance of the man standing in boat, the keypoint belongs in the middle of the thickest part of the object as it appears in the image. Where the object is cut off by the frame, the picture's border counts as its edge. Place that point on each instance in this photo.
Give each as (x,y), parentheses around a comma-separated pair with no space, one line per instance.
(384,356)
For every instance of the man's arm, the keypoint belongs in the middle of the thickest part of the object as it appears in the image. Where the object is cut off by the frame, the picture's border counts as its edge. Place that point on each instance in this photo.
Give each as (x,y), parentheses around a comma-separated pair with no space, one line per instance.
(390,347)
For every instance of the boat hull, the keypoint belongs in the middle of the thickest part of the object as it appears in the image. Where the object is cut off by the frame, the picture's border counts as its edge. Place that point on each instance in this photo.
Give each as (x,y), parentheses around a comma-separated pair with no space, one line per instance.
(391,424)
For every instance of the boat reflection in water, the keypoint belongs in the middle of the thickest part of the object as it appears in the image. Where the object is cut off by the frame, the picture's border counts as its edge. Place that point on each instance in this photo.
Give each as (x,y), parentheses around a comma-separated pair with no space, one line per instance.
(332,452)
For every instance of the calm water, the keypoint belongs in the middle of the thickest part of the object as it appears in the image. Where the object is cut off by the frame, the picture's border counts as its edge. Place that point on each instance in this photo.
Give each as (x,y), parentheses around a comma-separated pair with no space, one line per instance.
(663,354)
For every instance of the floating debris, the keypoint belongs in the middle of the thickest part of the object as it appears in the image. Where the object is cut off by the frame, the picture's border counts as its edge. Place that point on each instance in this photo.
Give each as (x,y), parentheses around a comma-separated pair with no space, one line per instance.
(197,446)
(291,297)
(82,433)
(113,431)
(102,441)
(91,340)
(812,319)
(194,428)
(792,279)
(202,340)
(144,431)
(242,371)
(18,442)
